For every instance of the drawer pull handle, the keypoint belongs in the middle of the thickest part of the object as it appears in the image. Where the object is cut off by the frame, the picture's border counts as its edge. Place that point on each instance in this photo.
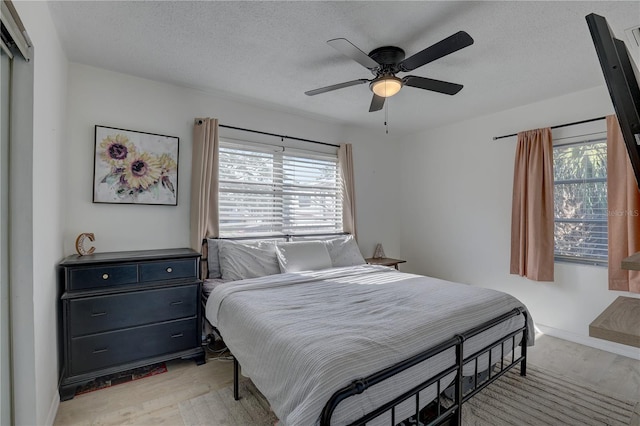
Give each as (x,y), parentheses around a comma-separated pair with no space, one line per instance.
(98,314)
(177,302)
(175,336)
(105,276)
(99,351)
(169,269)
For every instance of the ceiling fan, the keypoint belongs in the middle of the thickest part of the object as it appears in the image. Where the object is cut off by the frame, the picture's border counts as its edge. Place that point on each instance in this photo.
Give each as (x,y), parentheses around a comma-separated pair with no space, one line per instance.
(385,62)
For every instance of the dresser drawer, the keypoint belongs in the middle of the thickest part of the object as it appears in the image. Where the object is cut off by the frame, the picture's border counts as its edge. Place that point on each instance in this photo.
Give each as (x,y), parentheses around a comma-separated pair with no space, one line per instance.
(117,347)
(102,276)
(169,270)
(102,313)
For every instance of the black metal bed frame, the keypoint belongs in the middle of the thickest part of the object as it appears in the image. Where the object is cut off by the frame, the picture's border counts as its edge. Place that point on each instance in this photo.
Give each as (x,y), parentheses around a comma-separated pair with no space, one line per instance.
(454,411)
(460,394)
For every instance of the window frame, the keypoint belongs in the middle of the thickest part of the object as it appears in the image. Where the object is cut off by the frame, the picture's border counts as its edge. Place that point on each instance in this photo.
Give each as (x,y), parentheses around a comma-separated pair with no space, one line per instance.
(282,192)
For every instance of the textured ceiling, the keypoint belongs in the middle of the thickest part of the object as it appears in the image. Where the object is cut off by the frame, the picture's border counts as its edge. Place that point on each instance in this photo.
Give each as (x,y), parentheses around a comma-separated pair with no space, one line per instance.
(270,53)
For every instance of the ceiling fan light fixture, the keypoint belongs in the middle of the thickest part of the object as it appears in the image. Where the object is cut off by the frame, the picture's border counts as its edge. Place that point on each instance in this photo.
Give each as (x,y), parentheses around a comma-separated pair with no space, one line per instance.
(386,86)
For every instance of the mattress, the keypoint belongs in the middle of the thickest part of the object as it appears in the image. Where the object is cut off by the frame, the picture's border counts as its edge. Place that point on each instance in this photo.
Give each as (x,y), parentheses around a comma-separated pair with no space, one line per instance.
(302,336)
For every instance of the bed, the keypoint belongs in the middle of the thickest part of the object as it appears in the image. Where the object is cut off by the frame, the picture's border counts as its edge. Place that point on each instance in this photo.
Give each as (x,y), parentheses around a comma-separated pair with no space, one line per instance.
(331,340)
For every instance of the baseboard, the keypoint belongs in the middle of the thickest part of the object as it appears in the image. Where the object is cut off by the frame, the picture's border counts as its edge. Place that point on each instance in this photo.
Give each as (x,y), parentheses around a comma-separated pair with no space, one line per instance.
(53,411)
(616,348)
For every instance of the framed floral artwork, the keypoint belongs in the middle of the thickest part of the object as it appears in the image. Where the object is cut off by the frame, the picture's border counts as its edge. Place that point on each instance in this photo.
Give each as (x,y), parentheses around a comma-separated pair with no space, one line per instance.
(134,167)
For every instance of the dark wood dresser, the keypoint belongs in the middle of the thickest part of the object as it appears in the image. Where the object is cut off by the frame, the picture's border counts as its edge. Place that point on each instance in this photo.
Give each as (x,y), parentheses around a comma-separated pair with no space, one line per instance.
(124,310)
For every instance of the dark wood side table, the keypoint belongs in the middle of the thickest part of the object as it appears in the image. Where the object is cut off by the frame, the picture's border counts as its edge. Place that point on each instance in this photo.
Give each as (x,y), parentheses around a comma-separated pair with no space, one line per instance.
(384,261)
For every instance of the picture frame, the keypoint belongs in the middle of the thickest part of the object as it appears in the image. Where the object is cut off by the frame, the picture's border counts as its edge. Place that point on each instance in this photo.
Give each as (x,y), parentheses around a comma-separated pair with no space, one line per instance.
(133,167)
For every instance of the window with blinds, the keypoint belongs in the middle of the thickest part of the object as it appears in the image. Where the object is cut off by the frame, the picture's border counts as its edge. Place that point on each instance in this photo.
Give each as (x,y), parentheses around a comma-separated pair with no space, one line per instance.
(580,201)
(265,190)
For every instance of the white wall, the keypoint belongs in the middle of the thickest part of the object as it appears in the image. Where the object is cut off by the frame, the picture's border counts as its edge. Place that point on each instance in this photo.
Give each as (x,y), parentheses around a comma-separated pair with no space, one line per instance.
(456,221)
(97,96)
(37,230)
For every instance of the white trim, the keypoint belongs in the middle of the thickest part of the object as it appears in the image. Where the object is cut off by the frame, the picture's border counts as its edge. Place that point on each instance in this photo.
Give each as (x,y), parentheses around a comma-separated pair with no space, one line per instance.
(53,410)
(613,347)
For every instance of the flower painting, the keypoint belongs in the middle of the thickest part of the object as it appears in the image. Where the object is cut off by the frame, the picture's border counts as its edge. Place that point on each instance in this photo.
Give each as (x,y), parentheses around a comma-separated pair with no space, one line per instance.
(134,167)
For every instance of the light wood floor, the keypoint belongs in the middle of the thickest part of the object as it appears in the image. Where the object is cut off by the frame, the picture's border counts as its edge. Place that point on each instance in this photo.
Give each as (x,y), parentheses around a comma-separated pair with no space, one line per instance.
(154,400)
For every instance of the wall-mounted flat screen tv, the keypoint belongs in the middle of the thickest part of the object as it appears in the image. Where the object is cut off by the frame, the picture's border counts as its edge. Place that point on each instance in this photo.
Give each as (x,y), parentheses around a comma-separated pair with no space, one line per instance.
(621,76)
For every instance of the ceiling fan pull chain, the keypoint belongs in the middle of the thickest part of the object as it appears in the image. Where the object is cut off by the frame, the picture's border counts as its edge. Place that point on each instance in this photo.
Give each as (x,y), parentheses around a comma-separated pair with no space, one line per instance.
(386,116)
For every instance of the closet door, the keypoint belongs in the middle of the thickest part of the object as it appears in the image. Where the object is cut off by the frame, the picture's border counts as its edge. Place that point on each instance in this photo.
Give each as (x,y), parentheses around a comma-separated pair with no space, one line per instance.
(5,341)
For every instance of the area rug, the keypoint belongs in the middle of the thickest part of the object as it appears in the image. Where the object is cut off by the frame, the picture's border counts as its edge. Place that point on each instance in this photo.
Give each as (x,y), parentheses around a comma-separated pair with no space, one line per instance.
(122,377)
(544,398)
(540,398)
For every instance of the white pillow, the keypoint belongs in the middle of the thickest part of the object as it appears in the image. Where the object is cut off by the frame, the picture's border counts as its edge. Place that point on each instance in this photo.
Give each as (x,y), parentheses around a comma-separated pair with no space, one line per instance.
(344,251)
(303,256)
(239,261)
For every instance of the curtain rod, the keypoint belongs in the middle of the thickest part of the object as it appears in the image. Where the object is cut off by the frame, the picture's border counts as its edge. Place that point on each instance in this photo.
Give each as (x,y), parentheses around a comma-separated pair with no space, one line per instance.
(278,136)
(556,127)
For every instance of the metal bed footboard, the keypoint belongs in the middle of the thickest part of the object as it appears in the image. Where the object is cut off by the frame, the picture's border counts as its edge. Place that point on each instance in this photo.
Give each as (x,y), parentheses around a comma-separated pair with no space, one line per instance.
(454,412)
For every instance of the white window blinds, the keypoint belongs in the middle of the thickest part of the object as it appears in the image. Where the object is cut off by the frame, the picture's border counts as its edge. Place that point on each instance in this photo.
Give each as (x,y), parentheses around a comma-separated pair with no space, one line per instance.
(265,190)
(580,201)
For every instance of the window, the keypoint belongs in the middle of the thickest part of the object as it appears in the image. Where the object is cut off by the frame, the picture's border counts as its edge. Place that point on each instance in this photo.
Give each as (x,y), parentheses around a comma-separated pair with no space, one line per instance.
(266,190)
(580,201)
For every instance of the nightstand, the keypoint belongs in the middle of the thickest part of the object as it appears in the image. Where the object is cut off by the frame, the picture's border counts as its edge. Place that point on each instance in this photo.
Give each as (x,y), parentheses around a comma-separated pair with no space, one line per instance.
(384,261)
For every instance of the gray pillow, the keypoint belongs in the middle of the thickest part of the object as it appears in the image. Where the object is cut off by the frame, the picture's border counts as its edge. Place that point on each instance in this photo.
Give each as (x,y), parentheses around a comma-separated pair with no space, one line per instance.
(213,262)
(344,251)
(239,261)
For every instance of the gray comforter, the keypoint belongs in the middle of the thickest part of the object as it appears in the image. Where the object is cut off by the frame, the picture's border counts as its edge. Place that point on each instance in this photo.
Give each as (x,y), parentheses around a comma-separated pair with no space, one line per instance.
(302,336)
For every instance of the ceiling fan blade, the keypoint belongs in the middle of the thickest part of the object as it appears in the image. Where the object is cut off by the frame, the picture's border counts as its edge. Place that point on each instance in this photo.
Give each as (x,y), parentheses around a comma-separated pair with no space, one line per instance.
(347,48)
(444,47)
(336,87)
(376,103)
(431,84)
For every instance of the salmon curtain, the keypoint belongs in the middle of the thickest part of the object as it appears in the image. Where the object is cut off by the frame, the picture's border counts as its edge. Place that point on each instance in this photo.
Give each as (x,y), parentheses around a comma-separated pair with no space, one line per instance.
(623,199)
(532,243)
(204,182)
(345,161)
